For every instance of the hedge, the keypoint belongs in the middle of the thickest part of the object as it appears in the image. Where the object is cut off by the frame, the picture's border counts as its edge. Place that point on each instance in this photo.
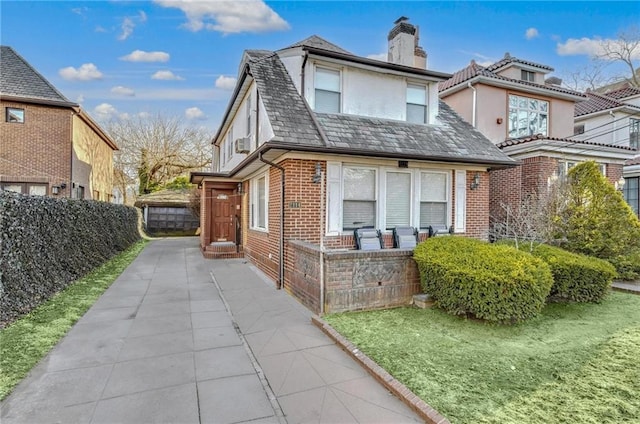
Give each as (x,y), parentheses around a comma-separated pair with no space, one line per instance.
(576,278)
(628,265)
(47,243)
(491,282)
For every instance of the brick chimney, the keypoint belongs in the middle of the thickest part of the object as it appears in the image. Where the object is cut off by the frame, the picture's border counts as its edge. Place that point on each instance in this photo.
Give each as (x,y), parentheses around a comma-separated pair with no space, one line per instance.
(403,45)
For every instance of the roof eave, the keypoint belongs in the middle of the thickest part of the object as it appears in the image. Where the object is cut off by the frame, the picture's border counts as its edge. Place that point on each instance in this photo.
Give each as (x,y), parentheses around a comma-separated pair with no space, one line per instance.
(239,85)
(33,100)
(496,82)
(607,110)
(95,127)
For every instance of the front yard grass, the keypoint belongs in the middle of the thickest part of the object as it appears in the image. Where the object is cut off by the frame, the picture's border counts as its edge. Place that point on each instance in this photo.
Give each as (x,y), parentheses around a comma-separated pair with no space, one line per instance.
(575,363)
(28,339)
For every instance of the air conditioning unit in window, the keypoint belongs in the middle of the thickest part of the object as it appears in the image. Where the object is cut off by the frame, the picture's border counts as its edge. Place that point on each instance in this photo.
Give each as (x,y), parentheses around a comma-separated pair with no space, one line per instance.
(243,145)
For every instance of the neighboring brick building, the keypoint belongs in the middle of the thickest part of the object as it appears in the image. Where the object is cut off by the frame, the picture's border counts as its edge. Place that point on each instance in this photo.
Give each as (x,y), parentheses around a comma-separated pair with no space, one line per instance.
(317,142)
(532,121)
(50,146)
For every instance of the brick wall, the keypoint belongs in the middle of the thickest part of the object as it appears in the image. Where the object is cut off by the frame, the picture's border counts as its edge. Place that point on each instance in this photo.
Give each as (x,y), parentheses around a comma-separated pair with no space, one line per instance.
(478,207)
(614,172)
(505,189)
(38,150)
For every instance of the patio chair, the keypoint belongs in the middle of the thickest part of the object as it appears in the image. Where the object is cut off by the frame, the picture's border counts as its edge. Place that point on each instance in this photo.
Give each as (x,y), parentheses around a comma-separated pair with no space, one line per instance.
(368,239)
(440,230)
(405,237)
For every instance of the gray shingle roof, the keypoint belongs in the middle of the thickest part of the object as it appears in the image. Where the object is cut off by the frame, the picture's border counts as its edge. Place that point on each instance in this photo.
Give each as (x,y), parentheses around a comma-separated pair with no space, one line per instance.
(452,139)
(319,43)
(19,79)
(292,121)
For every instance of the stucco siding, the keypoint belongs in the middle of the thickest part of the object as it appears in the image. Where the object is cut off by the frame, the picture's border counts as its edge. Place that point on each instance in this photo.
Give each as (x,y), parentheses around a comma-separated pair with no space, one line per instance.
(92,162)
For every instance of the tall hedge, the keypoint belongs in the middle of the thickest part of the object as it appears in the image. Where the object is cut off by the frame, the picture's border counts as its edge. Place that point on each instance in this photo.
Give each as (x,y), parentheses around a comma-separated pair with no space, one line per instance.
(46,243)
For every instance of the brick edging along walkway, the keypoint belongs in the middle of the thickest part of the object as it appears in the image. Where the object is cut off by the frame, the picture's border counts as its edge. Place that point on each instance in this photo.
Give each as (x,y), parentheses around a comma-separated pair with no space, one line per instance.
(423,409)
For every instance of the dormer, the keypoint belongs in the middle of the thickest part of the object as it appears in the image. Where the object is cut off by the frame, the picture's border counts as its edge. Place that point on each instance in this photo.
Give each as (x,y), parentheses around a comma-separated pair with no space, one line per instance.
(521,70)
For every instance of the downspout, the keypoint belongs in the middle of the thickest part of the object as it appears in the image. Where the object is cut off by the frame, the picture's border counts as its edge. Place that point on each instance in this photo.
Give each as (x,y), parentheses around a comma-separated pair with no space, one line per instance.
(473,110)
(281,247)
(613,123)
(73,113)
(321,243)
(304,62)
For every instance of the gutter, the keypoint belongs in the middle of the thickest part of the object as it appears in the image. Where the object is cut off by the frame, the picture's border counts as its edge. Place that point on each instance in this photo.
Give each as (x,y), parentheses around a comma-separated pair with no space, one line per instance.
(473,110)
(281,243)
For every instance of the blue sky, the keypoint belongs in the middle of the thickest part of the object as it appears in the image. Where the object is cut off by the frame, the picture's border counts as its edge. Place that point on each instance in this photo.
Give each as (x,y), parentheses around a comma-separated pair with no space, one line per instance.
(122,59)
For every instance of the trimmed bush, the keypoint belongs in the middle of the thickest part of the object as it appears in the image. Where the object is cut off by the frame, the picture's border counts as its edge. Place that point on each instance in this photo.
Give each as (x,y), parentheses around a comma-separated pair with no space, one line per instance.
(47,243)
(491,282)
(576,278)
(627,266)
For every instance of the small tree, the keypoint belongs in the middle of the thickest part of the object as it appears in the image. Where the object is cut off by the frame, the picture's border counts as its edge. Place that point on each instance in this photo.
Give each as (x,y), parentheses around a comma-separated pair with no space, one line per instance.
(594,218)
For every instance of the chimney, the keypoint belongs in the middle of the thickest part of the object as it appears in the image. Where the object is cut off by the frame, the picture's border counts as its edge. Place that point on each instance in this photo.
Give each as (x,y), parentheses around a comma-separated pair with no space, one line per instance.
(403,45)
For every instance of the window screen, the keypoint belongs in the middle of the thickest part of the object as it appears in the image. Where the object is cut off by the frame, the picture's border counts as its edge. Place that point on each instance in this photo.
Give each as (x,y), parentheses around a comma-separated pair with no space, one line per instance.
(359,200)
(398,201)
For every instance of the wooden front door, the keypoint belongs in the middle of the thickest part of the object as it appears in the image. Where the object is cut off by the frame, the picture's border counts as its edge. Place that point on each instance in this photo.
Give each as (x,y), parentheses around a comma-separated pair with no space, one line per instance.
(224,210)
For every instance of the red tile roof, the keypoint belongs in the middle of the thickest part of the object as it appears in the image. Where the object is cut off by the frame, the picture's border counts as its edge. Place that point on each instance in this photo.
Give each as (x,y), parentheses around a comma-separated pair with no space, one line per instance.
(633,161)
(516,141)
(507,59)
(623,93)
(598,102)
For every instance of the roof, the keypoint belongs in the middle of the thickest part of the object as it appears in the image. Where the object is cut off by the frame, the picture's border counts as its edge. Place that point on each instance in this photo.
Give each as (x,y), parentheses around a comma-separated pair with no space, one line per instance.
(598,102)
(167,197)
(318,43)
(19,79)
(508,59)
(623,93)
(517,141)
(294,123)
(633,161)
(474,70)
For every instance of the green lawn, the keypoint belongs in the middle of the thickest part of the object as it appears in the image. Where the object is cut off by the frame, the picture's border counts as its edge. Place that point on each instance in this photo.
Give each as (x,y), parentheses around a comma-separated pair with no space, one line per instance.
(575,363)
(27,340)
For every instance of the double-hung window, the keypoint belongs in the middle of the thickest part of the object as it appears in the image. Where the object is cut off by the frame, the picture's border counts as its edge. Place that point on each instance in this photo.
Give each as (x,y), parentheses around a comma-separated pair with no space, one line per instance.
(248,111)
(527,116)
(416,103)
(229,144)
(259,202)
(327,94)
(433,199)
(527,76)
(631,193)
(634,133)
(359,198)
(398,199)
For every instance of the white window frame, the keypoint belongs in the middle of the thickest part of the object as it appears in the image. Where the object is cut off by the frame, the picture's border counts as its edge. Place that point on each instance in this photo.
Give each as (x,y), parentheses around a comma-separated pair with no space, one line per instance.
(315,89)
(14,115)
(229,146)
(255,225)
(425,105)
(634,133)
(565,165)
(528,76)
(539,112)
(376,194)
(248,112)
(418,201)
(382,207)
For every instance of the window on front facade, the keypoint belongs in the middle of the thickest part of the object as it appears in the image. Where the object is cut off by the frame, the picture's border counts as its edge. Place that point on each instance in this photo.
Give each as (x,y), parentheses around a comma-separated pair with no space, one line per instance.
(79,192)
(631,193)
(327,95)
(15,115)
(433,199)
(248,112)
(578,129)
(33,189)
(416,103)
(565,166)
(527,76)
(229,145)
(259,203)
(527,116)
(634,133)
(359,198)
(398,199)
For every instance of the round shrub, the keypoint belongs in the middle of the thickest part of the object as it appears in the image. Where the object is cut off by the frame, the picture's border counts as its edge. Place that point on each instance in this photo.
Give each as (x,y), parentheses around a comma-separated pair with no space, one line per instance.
(576,278)
(491,282)
(627,265)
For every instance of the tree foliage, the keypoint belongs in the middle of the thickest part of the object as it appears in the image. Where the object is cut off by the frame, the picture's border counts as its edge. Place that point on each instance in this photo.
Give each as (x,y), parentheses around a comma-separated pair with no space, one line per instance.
(154,151)
(595,220)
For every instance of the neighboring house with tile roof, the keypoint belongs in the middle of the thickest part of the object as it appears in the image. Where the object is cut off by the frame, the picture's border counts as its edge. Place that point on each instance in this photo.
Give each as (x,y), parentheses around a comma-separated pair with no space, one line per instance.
(50,146)
(317,142)
(531,120)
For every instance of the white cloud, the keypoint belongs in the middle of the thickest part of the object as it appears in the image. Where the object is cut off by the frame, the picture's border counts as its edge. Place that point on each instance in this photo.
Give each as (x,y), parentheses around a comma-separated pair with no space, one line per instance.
(127,28)
(105,111)
(531,33)
(228,16)
(142,16)
(590,47)
(142,56)
(195,113)
(80,99)
(123,91)
(80,10)
(86,72)
(167,76)
(380,56)
(100,29)
(144,115)
(225,83)
(485,63)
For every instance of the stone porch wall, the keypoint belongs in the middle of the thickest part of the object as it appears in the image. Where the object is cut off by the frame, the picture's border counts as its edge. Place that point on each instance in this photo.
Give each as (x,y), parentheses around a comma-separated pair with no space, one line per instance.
(354,279)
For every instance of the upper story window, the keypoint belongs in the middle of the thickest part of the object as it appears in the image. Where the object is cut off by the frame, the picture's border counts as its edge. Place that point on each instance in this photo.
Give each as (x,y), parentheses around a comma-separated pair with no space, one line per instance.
(634,133)
(416,103)
(15,115)
(248,111)
(327,85)
(527,76)
(578,129)
(527,116)
(229,145)
(359,199)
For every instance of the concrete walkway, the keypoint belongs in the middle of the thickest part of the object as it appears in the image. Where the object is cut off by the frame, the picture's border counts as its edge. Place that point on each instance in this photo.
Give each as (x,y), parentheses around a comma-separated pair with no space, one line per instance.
(181,339)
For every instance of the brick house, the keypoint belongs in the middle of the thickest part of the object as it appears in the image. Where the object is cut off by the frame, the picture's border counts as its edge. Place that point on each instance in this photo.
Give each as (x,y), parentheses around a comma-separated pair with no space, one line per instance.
(531,120)
(50,146)
(316,142)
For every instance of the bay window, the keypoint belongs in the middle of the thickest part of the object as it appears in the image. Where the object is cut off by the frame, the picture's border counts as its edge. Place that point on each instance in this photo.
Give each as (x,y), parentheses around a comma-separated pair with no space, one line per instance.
(527,116)
(359,198)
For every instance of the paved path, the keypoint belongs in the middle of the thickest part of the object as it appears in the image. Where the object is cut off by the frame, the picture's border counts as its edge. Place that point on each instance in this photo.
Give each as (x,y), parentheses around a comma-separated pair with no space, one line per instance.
(627,286)
(161,346)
